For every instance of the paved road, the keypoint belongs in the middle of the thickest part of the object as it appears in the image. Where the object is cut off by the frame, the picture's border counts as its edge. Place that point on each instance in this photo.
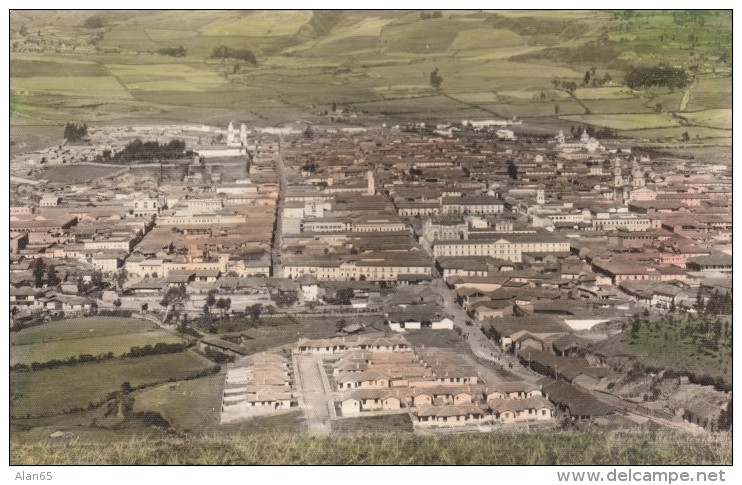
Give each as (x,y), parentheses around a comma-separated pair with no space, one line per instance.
(313,392)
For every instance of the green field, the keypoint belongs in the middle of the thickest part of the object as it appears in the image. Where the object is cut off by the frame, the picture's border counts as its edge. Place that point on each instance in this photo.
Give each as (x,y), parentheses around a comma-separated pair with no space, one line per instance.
(626,121)
(61,389)
(80,328)
(63,349)
(189,405)
(565,448)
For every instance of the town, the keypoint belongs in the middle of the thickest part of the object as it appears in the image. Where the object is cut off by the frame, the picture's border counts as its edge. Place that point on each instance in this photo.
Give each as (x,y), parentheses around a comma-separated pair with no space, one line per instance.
(463,275)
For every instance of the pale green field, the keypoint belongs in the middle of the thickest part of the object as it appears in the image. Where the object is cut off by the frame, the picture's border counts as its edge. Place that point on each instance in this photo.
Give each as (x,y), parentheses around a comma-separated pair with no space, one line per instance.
(76,328)
(259,24)
(98,86)
(57,390)
(486,38)
(713,118)
(95,345)
(613,92)
(188,405)
(626,121)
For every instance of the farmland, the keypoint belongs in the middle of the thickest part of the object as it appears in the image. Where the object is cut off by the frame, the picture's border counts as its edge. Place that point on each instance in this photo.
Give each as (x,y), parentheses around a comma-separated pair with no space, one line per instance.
(62,389)
(378,64)
(63,349)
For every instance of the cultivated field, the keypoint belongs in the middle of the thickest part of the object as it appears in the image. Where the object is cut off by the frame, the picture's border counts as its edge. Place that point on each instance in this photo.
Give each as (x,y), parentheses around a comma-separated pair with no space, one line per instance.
(492,63)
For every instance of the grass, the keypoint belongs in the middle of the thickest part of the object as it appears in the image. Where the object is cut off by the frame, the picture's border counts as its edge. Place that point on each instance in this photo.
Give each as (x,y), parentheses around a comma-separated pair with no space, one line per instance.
(259,24)
(712,118)
(73,174)
(565,448)
(76,328)
(39,67)
(87,86)
(64,388)
(390,423)
(626,121)
(63,349)
(189,405)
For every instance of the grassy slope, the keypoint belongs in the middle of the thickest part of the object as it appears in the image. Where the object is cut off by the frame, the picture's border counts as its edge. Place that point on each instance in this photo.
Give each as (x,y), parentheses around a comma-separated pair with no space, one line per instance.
(496,448)
(674,344)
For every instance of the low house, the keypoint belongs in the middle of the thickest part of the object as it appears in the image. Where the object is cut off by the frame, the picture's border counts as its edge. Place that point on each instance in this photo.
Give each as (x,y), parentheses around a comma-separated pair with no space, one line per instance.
(534,408)
(513,390)
(455,415)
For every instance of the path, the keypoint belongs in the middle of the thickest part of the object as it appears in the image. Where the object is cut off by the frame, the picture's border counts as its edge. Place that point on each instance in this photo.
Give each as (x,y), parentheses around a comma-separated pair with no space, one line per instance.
(313,393)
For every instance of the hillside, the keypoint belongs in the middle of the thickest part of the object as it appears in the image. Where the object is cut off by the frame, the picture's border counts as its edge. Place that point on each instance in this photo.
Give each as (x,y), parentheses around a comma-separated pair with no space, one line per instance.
(589,447)
(113,67)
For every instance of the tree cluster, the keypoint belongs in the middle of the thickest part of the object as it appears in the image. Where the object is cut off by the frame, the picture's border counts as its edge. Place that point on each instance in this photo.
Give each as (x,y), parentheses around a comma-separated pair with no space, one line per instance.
(285,298)
(224,52)
(157,349)
(75,132)
(137,150)
(93,23)
(657,76)
(717,304)
(179,51)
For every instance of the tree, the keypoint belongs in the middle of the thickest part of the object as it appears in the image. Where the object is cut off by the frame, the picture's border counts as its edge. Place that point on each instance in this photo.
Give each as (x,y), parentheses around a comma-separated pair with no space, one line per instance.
(435,79)
(512,170)
(686,136)
(97,279)
(211,298)
(121,277)
(586,79)
(340,325)
(38,268)
(223,304)
(254,311)
(236,69)
(51,276)
(126,387)
(23,30)
(658,108)
(556,109)
(308,133)
(117,302)
(175,298)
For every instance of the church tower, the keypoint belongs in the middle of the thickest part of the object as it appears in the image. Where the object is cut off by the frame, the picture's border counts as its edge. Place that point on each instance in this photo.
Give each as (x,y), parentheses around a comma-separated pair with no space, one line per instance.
(371,183)
(230,134)
(243,134)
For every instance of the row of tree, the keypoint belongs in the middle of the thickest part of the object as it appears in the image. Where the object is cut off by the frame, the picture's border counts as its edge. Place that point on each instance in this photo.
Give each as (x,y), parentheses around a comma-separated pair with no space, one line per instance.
(53,363)
(157,349)
(224,52)
(179,51)
(75,132)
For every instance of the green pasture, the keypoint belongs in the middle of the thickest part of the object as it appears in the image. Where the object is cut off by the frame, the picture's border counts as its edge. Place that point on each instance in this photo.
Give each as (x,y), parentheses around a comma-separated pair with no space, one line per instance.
(61,389)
